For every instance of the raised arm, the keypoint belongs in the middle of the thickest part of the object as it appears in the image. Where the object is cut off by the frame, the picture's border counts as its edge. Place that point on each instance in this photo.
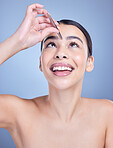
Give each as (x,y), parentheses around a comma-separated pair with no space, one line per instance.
(31,31)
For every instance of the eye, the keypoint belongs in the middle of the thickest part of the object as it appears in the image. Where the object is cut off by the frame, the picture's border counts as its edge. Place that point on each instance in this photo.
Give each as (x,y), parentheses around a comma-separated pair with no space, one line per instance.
(73,44)
(50,45)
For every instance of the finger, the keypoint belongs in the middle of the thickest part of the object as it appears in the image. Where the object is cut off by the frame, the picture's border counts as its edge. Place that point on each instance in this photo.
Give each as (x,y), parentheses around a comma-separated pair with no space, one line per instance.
(34,6)
(42,19)
(41,11)
(44,25)
(40,27)
(48,31)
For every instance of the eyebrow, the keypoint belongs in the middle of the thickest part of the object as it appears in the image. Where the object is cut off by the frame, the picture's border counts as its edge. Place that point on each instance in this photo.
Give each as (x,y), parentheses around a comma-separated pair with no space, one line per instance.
(51,37)
(74,37)
(67,38)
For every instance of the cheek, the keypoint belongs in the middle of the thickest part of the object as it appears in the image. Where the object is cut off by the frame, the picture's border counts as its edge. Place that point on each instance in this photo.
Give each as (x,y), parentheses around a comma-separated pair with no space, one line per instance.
(80,60)
(44,60)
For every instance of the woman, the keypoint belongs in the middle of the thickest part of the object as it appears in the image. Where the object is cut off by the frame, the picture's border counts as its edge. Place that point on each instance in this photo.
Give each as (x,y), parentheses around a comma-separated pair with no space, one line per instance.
(63,118)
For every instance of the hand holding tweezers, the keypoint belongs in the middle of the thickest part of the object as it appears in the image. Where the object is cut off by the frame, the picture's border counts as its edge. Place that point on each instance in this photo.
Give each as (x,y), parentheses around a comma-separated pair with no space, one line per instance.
(53,23)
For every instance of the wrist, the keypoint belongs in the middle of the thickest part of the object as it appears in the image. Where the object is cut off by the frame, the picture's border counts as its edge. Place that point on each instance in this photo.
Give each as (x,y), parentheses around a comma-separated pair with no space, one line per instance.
(17,42)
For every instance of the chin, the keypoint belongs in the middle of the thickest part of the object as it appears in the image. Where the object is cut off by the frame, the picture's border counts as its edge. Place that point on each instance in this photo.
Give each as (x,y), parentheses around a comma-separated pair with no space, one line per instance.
(61,84)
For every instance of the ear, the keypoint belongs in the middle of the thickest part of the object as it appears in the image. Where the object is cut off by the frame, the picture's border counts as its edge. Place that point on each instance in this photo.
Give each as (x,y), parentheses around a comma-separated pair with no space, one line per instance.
(40,66)
(90,64)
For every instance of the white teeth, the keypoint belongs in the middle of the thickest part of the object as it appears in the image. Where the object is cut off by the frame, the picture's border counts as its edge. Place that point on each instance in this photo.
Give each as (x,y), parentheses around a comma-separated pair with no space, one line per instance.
(62,68)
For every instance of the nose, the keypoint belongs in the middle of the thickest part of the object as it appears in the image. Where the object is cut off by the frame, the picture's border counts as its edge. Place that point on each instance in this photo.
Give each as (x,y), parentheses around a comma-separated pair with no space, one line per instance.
(61,55)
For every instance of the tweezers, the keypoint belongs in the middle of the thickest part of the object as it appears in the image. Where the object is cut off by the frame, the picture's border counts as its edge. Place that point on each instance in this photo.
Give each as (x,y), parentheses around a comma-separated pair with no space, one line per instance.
(53,23)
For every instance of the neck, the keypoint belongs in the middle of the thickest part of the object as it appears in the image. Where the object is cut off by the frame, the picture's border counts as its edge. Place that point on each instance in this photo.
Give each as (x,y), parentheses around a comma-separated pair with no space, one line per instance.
(66,103)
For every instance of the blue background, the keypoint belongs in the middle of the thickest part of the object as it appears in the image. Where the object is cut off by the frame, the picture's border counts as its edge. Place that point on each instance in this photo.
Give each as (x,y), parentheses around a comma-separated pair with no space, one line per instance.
(20,74)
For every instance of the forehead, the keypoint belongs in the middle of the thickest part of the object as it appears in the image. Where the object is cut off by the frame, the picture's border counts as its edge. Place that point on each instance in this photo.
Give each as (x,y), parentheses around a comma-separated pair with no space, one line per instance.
(70,30)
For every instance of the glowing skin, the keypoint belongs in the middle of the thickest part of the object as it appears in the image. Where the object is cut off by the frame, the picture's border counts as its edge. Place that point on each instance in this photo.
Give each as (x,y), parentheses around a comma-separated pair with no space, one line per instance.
(61,119)
(76,56)
(65,90)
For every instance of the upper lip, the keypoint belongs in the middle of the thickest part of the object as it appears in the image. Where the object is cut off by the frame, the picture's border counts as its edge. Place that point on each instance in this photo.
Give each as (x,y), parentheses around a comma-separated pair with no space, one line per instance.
(61,65)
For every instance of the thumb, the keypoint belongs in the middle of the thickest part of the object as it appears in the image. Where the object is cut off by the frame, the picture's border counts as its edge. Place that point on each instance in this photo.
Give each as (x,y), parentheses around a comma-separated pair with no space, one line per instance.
(48,31)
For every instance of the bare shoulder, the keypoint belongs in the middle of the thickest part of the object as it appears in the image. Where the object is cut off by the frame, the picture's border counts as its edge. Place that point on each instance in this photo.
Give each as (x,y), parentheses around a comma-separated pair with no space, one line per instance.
(104,106)
(107,104)
(11,100)
(17,104)
(100,112)
(14,105)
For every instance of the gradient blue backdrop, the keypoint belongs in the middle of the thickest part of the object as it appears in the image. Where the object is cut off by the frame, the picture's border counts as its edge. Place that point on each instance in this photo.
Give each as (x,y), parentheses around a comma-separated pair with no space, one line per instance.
(20,74)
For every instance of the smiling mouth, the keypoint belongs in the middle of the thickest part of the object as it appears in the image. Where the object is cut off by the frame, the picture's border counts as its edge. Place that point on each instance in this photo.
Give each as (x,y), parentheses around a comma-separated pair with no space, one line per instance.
(61,69)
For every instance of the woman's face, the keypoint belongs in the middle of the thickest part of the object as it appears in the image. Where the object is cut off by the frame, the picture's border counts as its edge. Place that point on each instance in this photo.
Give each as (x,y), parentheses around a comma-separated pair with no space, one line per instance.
(64,61)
